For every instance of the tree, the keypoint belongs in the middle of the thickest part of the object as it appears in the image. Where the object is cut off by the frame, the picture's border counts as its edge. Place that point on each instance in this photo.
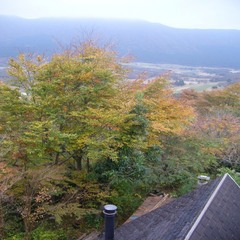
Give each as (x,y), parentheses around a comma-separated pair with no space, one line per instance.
(224,100)
(8,177)
(217,123)
(155,116)
(69,105)
(31,192)
(166,114)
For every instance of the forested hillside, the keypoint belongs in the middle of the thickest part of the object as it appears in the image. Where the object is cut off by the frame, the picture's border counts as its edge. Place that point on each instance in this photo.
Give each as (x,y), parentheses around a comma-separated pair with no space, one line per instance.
(145,41)
(75,135)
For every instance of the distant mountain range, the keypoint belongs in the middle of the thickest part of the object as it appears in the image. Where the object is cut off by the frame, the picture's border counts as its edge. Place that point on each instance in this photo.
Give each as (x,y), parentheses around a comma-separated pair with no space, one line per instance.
(147,42)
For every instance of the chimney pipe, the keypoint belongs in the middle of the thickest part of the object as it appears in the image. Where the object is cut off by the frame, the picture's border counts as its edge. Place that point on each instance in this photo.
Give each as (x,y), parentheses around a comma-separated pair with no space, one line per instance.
(109,215)
(202,180)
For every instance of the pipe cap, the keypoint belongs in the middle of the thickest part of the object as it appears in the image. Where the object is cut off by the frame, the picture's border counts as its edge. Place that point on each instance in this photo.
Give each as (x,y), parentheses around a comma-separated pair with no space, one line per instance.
(109,209)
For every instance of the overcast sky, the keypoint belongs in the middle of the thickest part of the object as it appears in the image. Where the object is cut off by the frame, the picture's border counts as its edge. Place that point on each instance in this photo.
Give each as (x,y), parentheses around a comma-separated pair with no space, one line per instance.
(219,14)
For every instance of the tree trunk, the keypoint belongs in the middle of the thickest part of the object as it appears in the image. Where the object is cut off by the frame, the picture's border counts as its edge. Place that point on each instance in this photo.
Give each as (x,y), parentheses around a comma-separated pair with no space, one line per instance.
(88,165)
(27,209)
(57,158)
(78,164)
(1,219)
(26,215)
(78,159)
(27,229)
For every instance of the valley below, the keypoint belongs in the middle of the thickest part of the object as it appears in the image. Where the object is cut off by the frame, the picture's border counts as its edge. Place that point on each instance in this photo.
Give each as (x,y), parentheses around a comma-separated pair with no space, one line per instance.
(186,77)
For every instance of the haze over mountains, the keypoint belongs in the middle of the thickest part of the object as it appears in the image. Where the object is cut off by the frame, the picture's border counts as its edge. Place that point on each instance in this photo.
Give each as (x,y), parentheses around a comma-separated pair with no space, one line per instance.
(147,42)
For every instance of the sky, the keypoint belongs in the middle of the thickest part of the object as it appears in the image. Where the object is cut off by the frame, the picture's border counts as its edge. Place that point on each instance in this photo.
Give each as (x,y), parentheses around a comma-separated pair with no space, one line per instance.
(203,14)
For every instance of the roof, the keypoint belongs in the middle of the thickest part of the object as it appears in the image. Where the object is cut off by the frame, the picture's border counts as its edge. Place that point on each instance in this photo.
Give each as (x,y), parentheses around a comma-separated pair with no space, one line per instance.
(212,211)
(151,203)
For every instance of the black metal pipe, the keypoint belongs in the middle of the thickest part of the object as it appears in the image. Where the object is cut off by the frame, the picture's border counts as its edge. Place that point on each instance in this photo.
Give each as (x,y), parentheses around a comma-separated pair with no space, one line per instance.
(109,215)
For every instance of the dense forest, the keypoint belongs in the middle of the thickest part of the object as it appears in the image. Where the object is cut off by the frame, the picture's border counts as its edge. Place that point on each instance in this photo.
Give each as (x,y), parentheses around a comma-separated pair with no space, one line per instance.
(75,135)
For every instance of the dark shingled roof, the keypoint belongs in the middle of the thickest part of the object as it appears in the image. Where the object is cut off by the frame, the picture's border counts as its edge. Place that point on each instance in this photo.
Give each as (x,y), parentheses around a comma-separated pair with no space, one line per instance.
(210,212)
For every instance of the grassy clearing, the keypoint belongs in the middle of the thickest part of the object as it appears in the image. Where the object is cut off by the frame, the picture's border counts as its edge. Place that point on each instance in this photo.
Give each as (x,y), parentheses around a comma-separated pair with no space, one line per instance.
(198,87)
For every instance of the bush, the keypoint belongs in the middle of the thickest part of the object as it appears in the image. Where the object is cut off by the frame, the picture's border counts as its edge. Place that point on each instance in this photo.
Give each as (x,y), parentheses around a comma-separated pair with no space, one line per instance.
(19,236)
(93,221)
(42,234)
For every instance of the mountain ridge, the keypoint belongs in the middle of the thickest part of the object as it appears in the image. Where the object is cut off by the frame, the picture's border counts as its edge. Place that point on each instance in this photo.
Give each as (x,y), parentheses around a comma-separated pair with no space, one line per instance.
(146,41)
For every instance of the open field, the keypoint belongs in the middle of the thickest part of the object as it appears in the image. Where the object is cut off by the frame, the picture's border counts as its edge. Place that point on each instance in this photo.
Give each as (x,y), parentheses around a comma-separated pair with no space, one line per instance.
(199,87)
(187,77)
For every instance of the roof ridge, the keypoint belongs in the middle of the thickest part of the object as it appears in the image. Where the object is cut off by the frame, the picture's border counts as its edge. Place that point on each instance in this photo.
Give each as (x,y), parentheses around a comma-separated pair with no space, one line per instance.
(206,206)
(232,179)
(177,217)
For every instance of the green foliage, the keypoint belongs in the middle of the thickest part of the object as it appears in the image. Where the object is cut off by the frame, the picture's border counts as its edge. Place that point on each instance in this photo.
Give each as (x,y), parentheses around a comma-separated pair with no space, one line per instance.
(188,183)
(73,210)
(127,203)
(93,221)
(13,226)
(19,236)
(235,175)
(42,234)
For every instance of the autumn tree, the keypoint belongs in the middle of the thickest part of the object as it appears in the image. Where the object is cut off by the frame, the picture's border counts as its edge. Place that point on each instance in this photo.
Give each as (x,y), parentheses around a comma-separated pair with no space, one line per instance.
(156,116)
(31,192)
(8,177)
(217,123)
(69,105)
(61,111)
